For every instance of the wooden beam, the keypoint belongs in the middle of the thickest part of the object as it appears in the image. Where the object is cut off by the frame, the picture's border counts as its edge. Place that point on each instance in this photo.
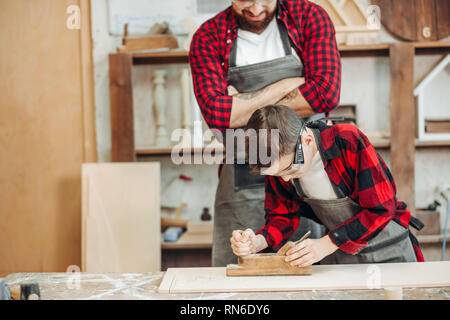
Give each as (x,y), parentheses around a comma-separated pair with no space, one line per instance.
(87,78)
(121,104)
(403,121)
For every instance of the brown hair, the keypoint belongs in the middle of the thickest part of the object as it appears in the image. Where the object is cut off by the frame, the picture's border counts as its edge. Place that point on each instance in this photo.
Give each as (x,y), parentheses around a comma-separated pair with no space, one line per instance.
(274,117)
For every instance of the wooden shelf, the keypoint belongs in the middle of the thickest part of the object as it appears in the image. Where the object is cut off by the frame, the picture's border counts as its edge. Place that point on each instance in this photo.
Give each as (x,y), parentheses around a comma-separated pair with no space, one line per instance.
(168,151)
(174,56)
(200,240)
(371,50)
(377,143)
(386,144)
(431,144)
(434,238)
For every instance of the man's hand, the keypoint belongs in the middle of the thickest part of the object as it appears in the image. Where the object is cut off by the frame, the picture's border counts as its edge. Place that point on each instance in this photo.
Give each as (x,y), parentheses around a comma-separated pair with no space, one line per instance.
(246,242)
(310,251)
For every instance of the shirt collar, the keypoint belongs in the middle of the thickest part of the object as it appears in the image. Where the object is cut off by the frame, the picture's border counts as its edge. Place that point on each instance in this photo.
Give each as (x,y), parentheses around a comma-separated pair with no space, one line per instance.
(333,151)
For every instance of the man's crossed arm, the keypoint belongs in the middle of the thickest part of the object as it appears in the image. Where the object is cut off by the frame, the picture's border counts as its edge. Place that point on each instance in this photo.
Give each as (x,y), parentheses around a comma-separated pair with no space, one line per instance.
(284,92)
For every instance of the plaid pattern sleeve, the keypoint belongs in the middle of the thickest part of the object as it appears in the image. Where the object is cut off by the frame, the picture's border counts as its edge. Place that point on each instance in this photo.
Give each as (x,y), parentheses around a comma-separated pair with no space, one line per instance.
(282,213)
(209,77)
(322,62)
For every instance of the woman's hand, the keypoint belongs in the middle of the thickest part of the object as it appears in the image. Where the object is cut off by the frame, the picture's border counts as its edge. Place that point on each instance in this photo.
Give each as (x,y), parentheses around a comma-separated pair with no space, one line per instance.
(310,251)
(246,242)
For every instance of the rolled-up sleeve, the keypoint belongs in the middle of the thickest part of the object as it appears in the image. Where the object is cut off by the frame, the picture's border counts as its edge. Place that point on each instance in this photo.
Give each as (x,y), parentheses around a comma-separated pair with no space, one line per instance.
(282,214)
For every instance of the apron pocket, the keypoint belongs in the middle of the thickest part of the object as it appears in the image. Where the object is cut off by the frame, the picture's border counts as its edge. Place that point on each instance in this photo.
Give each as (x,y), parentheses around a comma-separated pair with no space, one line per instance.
(392,244)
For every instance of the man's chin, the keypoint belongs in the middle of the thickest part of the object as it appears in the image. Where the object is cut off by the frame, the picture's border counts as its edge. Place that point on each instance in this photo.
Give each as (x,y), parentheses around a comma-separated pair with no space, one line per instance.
(255,26)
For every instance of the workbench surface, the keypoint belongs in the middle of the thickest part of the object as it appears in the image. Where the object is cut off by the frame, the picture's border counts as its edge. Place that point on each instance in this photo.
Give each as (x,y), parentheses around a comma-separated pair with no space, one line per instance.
(57,286)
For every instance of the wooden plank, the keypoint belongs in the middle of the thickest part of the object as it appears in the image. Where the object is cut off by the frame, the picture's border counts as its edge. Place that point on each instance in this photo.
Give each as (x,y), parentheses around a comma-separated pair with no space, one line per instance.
(41,130)
(425,20)
(442,18)
(87,77)
(121,217)
(403,23)
(121,104)
(403,120)
(408,19)
(265,264)
(146,43)
(326,277)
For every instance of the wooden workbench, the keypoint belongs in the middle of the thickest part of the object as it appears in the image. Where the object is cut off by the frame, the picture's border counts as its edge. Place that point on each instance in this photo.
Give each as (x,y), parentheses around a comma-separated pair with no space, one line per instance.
(58,286)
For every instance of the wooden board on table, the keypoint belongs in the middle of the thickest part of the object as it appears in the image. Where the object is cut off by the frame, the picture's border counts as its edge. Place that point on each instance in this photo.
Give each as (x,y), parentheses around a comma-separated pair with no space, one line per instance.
(265,264)
(121,217)
(326,277)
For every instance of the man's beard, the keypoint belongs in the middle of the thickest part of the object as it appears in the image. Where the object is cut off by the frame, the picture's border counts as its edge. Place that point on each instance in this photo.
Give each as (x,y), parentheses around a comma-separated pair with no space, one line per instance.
(253,26)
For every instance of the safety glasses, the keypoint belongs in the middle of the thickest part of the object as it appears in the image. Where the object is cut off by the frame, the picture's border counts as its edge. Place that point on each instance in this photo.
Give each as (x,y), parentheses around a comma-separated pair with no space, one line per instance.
(249,3)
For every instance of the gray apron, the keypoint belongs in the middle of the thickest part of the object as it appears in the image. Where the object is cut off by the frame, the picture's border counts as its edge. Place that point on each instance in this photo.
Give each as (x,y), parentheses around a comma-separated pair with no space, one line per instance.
(392,244)
(239,202)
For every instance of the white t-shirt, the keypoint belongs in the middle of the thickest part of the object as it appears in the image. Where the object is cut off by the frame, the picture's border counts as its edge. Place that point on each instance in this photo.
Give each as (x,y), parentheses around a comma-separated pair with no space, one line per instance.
(315,183)
(253,48)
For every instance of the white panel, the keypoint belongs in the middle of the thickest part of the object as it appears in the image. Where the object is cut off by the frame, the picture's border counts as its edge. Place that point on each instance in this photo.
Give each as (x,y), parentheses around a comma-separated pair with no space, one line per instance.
(121,217)
(326,277)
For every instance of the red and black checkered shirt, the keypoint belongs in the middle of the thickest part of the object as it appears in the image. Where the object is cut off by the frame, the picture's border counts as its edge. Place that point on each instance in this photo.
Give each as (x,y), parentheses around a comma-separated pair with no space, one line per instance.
(354,166)
(313,36)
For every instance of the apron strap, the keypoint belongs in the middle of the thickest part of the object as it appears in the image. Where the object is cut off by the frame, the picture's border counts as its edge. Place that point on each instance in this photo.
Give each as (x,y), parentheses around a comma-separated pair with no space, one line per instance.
(284,39)
(298,188)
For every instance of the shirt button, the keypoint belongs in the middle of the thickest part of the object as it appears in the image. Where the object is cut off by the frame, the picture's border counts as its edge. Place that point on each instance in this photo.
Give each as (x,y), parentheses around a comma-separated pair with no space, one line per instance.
(228,30)
(223,63)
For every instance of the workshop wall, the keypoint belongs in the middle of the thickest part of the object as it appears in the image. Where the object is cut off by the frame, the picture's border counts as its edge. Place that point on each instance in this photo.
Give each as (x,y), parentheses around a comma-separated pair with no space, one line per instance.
(365,83)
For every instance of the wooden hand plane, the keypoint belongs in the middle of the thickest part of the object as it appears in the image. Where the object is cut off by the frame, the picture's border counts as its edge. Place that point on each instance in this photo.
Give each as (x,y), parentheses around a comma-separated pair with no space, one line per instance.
(264,264)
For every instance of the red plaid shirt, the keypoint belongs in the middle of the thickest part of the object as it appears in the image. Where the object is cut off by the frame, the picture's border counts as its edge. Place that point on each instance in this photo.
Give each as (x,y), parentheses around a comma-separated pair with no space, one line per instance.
(312,34)
(354,166)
